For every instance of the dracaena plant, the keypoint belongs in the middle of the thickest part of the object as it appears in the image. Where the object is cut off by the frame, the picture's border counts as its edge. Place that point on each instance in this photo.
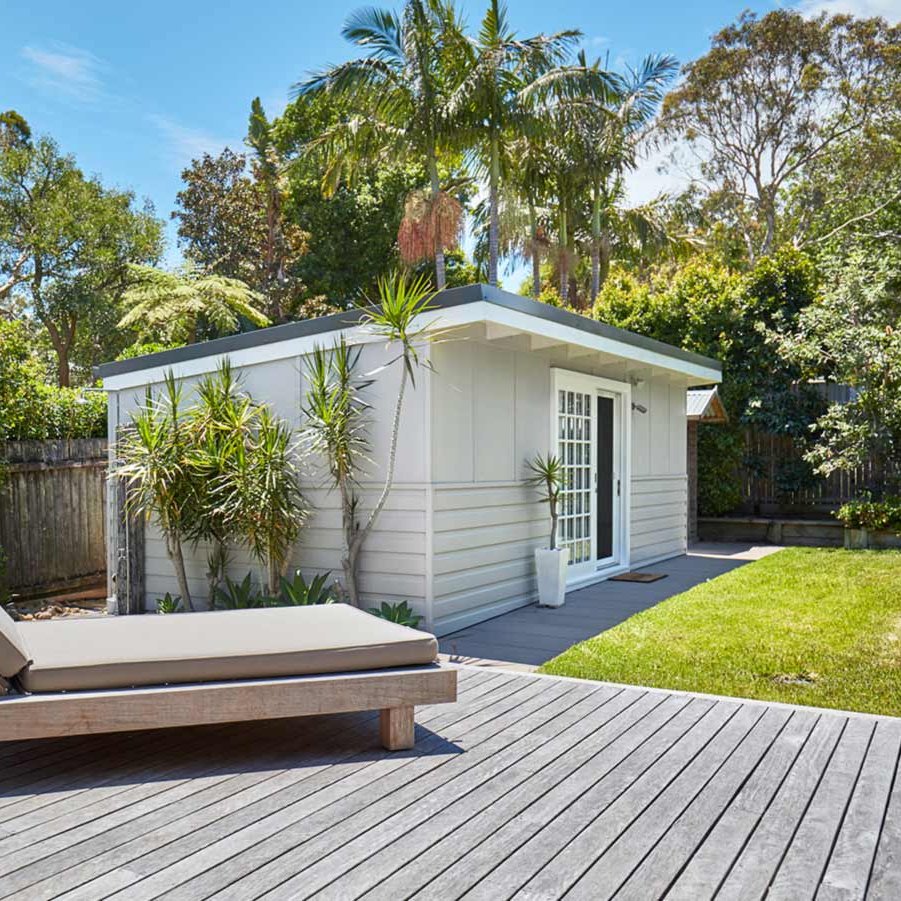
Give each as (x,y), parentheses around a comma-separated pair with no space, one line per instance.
(547,475)
(337,414)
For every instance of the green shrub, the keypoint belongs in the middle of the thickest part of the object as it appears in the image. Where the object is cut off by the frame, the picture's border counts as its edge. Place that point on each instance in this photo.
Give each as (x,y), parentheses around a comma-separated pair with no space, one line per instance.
(241,595)
(878,516)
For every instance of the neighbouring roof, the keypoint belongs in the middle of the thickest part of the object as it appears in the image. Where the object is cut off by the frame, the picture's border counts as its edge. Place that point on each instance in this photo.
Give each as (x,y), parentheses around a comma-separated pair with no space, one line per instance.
(502,302)
(705,404)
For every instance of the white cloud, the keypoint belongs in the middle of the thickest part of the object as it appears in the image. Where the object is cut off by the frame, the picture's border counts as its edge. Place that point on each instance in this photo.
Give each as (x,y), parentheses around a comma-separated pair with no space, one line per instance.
(184,144)
(65,71)
(888,9)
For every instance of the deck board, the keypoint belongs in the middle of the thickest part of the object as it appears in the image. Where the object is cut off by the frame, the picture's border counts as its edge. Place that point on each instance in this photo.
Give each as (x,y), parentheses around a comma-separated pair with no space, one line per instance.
(528,786)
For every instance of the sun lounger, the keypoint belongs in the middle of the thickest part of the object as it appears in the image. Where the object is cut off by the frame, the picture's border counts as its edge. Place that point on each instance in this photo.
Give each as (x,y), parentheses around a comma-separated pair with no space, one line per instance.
(76,676)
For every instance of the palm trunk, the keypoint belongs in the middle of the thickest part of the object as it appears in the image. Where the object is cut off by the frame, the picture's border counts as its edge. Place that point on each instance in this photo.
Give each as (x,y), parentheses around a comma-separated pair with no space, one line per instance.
(536,257)
(595,246)
(493,224)
(273,571)
(435,184)
(564,257)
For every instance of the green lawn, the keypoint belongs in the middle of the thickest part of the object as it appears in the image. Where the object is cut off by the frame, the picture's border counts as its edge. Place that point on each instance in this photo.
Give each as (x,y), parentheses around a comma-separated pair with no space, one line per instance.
(805,625)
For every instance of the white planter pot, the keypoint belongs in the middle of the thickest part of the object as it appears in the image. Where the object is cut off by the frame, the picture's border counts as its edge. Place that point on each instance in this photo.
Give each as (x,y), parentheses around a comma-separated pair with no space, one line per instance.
(551,566)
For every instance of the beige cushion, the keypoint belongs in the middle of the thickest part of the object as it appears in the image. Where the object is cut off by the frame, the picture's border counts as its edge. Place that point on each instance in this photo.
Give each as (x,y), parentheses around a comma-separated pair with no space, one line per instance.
(14,654)
(123,651)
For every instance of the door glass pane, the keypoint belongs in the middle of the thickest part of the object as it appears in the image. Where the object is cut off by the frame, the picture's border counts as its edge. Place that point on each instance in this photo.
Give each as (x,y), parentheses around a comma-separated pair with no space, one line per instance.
(574,450)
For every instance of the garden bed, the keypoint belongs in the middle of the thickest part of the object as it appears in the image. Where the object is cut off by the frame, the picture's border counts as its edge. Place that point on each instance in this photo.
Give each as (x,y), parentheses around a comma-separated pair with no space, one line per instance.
(805,626)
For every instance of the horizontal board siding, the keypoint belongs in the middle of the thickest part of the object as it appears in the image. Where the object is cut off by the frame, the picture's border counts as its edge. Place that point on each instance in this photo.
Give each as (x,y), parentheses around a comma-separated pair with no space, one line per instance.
(484,540)
(658,517)
(392,566)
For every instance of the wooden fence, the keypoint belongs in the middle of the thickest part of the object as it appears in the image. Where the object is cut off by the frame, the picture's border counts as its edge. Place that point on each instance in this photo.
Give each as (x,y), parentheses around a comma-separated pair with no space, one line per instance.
(776,480)
(52,512)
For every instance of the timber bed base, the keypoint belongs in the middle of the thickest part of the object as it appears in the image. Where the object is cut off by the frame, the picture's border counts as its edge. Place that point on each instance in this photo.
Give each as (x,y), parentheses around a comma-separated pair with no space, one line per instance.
(394,692)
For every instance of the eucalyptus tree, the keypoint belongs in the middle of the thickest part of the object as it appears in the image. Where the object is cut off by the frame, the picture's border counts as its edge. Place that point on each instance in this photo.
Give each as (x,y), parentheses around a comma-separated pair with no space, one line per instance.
(398,92)
(495,70)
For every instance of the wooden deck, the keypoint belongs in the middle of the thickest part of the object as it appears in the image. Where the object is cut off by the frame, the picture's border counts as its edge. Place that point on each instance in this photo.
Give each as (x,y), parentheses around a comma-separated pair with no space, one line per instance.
(528,787)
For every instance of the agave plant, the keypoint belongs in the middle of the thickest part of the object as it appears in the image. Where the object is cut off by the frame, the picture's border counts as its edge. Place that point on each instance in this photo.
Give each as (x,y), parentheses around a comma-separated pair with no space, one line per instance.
(242,595)
(299,593)
(397,613)
(168,604)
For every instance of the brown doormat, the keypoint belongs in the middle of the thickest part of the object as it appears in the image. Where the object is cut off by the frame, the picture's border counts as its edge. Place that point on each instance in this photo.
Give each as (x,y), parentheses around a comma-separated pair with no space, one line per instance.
(638,577)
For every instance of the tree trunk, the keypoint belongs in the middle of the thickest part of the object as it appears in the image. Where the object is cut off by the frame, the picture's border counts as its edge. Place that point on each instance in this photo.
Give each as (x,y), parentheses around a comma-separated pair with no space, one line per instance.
(536,257)
(173,548)
(595,246)
(355,538)
(61,346)
(493,223)
(440,278)
(564,257)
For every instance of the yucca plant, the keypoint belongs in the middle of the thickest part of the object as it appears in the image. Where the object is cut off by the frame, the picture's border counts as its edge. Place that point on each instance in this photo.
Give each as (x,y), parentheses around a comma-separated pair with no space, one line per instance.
(299,593)
(258,493)
(158,481)
(336,413)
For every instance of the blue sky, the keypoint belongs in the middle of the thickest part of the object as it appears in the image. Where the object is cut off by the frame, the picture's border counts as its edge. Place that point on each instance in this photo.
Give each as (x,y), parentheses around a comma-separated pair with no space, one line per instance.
(135,90)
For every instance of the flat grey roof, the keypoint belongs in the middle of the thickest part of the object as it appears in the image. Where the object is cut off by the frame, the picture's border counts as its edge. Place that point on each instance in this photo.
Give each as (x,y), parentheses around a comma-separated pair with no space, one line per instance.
(451,297)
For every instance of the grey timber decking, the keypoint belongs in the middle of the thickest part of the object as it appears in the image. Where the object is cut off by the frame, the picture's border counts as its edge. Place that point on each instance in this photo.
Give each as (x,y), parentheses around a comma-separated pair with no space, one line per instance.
(528,787)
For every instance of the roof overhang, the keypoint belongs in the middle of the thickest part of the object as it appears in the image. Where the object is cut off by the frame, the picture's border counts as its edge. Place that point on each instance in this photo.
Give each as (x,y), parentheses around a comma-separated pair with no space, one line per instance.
(502,314)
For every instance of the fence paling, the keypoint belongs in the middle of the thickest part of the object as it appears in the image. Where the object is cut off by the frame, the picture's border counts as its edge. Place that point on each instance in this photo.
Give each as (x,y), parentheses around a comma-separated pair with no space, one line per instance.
(53,511)
(771,453)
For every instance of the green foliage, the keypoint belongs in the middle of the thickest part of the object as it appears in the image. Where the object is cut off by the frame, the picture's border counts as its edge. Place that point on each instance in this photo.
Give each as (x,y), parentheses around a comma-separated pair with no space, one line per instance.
(548,476)
(296,592)
(852,336)
(142,348)
(884,515)
(30,409)
(65,242)
(400,612)
(740,320)
(169,604)
(180,307)
(299,593)
(242,595)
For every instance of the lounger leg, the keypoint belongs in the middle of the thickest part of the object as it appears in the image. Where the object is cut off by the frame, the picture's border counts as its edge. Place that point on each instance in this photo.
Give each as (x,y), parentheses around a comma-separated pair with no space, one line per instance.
(397,728)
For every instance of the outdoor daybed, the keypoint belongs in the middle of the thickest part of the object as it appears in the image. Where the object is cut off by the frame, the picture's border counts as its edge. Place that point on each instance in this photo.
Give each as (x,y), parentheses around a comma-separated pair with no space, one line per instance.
(76,676)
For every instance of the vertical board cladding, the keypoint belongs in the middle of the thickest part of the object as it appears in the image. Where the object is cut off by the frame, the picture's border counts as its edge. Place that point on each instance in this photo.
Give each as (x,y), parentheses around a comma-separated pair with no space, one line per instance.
(486,521)
(392,566)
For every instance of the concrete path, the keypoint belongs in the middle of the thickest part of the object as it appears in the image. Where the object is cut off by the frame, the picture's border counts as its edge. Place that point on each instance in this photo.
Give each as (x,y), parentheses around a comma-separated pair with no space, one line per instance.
(526,638)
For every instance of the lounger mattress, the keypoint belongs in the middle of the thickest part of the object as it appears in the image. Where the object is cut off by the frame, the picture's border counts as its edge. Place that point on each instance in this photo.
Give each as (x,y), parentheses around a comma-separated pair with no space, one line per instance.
(125,651)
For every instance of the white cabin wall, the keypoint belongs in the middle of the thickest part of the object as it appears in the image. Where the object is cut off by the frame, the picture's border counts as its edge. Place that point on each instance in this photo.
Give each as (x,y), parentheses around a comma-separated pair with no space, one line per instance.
(490,413)
(392,566)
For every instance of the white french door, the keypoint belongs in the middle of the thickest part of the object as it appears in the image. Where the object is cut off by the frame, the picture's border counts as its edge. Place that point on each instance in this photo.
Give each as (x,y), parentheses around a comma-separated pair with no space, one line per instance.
(590,437)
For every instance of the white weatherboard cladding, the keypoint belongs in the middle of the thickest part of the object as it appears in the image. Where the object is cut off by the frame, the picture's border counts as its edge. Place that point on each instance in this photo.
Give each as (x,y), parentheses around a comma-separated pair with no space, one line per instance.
(490,400)
(393,564)
(460,527)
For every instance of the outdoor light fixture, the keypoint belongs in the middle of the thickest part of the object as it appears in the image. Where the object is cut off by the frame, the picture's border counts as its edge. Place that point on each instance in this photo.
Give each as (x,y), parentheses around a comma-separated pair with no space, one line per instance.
(640,408)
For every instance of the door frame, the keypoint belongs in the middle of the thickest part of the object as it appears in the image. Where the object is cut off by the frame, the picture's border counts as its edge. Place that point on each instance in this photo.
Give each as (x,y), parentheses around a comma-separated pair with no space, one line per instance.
(594,570)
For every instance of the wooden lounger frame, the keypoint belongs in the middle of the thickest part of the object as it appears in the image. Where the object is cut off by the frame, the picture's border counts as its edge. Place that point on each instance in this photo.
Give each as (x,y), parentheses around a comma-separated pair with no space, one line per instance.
(394,692)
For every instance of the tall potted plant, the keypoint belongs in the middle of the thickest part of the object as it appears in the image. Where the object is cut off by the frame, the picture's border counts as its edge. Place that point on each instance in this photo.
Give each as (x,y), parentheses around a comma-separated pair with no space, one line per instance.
(546,474)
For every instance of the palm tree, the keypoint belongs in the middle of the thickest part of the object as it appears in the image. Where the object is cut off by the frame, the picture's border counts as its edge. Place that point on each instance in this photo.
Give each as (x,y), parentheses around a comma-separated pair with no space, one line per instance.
(606,136)
(176,302)
(495,69)
(398,91)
